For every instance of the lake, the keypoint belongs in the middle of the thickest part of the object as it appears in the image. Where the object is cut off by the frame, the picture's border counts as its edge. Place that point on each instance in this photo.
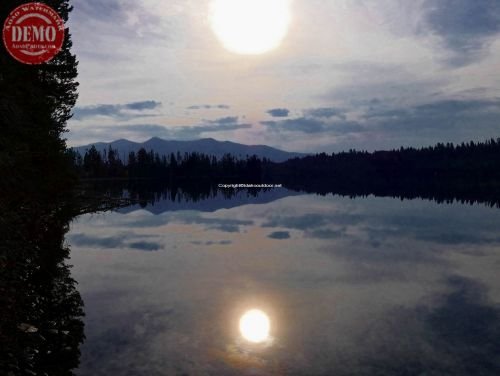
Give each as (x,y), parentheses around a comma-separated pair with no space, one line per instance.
(363,286)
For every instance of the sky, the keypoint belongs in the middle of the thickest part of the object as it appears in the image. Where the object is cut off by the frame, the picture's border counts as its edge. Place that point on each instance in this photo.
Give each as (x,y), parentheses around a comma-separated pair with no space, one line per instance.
(349,74)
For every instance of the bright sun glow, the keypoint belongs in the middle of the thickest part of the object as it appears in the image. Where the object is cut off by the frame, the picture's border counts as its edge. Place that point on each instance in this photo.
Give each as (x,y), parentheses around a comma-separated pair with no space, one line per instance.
(255,326)
(250,26)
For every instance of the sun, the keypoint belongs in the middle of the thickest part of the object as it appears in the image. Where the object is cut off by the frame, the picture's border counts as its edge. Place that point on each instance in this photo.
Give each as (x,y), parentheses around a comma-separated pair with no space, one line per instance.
(255,326)
(250,27)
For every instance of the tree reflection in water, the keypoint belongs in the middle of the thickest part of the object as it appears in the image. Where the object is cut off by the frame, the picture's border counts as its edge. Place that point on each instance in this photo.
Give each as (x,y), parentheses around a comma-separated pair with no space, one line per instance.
(41,310)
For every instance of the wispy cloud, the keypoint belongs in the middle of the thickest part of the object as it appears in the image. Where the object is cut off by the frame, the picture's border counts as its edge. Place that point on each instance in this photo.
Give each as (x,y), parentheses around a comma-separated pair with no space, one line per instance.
(463,118)
(279,235)
(209,107)
(315,120)
(224,121)
(117,111)
(442,117)
(326,112)
(114,242)
(279,112)
(465,27)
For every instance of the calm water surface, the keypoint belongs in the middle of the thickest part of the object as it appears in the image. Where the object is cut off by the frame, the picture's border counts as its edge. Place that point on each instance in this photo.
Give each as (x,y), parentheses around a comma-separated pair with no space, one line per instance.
(368,286)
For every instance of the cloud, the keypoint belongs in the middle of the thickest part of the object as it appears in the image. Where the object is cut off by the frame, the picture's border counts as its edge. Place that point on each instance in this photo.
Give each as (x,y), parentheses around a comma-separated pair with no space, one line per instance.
(390,85)
(104,11)
(302,124)
(210,242)
(114,19)
(82,240)
(467,319)
(450,120)
(279,235)
(279,112)
(465,27)
(209,107)
(315,120)
(118,111)
(141,106)
(220,224)
(224,121)
(112,242)
(460,107)
(120,330)
(312,126)
(440,116)
(325,112)
(301,222)
(458,238)
(461,325)
(80,113)
(318,226)
(326,233)
(145,246)
(198,130)
(230,225)
(225,124)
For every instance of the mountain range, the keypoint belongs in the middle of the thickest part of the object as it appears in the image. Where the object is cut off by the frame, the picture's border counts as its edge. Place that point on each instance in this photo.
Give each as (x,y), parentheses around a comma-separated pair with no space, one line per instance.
(212,204)
(207,146)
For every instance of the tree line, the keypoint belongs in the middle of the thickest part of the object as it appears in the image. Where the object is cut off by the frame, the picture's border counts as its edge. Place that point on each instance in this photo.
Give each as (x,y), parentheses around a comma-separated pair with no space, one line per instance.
(461,164)
(468,173)
(150,165)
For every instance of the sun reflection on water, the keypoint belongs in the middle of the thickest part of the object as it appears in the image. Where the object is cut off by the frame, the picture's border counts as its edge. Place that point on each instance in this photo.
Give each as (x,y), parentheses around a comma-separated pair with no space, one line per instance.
(255,326)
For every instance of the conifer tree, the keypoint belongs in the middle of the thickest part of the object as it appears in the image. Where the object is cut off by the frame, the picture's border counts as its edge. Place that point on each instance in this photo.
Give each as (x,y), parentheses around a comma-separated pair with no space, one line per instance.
(35,105)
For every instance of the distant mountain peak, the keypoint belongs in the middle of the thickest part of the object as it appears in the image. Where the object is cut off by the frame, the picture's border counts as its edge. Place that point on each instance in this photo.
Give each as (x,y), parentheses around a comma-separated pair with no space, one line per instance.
(208,146)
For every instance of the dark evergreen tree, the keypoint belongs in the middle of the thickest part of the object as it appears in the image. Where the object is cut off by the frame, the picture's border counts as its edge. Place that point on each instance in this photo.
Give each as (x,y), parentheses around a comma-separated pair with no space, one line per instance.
(114,164)
(40,308)
(35,104)
(93,163)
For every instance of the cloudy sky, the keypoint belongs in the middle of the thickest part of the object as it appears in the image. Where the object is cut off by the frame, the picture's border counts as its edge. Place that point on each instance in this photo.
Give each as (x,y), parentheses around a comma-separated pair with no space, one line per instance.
(361,74)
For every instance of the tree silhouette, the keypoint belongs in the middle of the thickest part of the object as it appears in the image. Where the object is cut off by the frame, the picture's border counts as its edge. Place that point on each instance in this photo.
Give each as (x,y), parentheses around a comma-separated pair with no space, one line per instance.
(35,103)
(40,308)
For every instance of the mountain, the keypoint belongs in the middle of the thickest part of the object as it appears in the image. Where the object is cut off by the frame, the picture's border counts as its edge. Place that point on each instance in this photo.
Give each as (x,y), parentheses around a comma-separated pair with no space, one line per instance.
(207,146)
(212,204)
